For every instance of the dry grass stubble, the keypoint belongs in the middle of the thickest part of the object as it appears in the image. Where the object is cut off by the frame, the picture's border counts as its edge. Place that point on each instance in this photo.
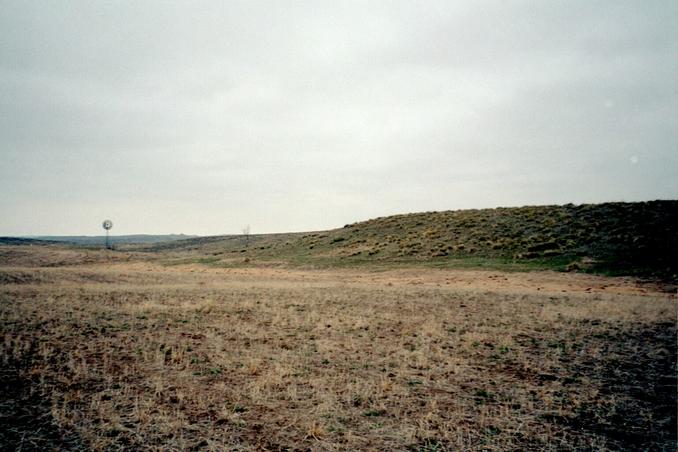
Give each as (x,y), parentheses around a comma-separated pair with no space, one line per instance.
(169,359)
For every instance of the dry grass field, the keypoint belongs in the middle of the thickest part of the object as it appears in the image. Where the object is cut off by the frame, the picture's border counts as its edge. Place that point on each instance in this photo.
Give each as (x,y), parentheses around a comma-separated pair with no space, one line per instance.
(110,350)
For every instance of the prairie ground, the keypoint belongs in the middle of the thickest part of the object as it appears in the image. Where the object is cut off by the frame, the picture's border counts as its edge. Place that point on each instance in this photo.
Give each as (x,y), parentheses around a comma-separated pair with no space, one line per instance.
(111,350)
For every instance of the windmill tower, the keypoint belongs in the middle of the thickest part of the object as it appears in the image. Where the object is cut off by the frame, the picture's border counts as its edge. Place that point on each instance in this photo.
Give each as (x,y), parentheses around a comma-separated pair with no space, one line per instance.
(107,225)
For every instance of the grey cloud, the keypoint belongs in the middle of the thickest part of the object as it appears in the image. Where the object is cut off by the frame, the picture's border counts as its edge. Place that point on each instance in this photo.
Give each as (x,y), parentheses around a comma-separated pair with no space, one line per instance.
(200,117)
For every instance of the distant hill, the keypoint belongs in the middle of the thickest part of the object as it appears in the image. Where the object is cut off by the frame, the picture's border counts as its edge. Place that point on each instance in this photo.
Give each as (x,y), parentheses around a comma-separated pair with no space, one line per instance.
(23,241)
(639,238)
(114,239)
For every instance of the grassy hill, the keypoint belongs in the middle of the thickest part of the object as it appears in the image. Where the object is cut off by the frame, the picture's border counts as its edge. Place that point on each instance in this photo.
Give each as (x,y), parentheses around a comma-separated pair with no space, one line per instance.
(617,238)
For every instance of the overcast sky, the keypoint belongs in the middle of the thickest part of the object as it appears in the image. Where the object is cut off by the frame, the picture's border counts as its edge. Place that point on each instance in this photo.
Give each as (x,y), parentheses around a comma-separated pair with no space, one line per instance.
(203,117)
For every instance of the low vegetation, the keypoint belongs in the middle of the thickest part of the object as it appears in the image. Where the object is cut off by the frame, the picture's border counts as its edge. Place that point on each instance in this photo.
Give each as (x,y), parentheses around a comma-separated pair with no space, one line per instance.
(110,350)
(381,335)
(612,238)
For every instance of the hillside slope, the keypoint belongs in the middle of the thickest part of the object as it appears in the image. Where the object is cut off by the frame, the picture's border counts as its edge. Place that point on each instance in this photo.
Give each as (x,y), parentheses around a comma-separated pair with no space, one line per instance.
(621,238)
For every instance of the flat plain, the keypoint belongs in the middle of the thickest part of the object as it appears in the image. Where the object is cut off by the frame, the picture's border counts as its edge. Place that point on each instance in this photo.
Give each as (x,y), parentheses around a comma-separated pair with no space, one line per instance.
(108,350)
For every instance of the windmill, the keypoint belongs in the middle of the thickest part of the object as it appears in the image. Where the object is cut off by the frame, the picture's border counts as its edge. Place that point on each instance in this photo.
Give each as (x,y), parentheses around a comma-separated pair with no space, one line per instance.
(107,225)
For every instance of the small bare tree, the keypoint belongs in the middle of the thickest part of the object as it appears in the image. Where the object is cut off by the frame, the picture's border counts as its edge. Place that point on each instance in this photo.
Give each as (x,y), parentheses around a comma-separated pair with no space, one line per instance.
(246,234)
